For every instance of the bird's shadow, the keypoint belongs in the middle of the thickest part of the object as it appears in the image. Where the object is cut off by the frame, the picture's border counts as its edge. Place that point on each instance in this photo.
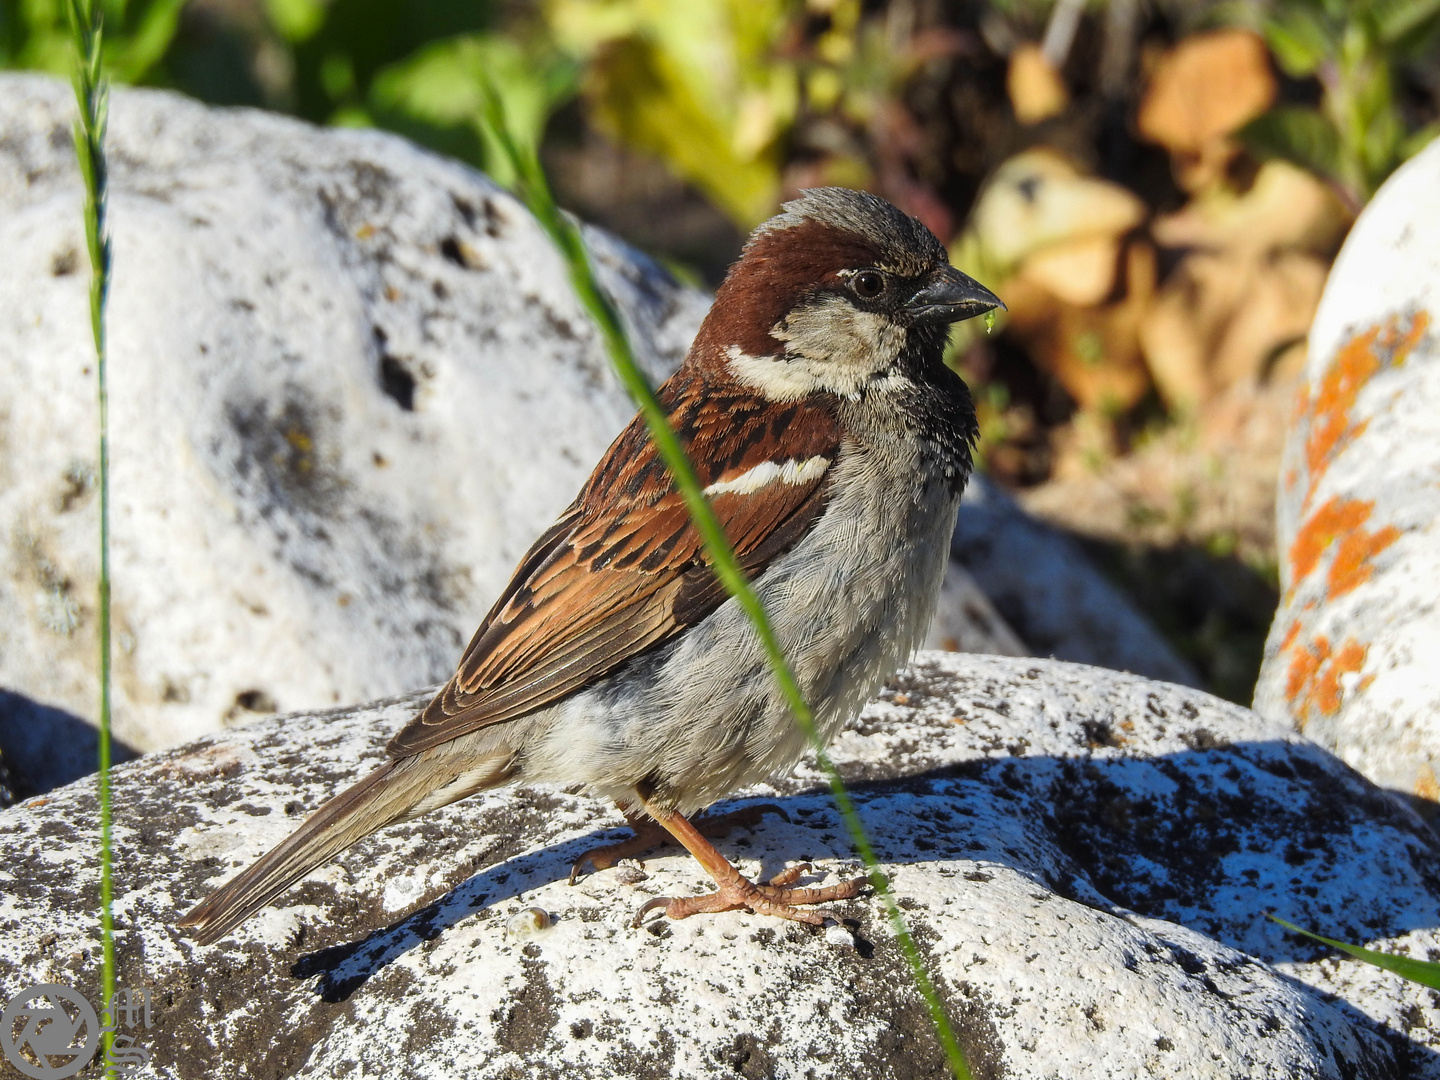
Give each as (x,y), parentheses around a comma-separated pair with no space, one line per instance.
(1208,838)
(344,968)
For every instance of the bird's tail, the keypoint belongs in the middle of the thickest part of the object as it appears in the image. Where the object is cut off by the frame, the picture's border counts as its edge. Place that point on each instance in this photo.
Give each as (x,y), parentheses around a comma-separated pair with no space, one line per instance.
(398,790)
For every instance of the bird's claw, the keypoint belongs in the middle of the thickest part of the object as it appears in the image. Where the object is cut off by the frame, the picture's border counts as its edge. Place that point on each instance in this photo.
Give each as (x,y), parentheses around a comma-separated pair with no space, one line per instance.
(775,898)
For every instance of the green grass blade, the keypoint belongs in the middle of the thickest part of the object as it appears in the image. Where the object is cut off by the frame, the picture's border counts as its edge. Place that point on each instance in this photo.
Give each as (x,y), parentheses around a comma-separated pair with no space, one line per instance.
(535,190)
(92,100)
(1424,972)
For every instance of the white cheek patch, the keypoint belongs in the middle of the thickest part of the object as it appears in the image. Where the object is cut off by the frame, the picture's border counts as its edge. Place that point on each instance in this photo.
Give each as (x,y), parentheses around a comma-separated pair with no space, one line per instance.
(855,342)
(791,472)
(829,346)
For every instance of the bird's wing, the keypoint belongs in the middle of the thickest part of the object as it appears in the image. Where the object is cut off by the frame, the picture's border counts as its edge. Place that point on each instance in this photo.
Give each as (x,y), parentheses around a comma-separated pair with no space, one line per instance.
(624,570)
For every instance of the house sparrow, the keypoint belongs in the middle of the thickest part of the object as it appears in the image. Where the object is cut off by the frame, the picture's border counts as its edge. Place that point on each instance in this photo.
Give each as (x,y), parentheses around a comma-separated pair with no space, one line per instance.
(833,442)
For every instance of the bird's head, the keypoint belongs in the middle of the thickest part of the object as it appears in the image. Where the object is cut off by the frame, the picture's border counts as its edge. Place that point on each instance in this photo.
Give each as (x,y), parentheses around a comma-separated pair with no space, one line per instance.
(837,291)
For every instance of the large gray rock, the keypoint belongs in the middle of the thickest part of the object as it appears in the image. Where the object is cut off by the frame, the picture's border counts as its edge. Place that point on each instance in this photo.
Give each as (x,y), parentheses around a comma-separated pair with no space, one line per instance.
(1351,657)
(1043,586)
(350,383)
(966,619)
(1085,858)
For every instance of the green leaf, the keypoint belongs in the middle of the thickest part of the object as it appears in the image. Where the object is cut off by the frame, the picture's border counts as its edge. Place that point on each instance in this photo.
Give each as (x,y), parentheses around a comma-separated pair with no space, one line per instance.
(1400,20)
(643,96)
(1300,41)
(92,101)
(146,46)
(701,85)
(443,84)
(351,116)
(1424,972)
(297,20)
(1304,136)
(1418,140)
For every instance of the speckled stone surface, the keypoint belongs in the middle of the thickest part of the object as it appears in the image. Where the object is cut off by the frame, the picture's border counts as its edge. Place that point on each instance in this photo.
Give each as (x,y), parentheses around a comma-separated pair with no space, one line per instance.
(1352,655)
(1085,858)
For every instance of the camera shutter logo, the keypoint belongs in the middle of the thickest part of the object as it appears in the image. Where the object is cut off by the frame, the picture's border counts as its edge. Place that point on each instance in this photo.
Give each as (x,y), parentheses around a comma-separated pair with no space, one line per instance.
(56,1024)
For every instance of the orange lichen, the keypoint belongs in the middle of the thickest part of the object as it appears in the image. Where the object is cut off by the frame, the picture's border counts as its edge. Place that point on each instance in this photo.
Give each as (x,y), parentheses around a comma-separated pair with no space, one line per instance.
(1354,364)
(1301,405)
(1351,369)
(1336,518)
(1329,689)
(1340,522)
(1315,682)
(1352,567)
(1405,344)
(1303,668)
(1290,636)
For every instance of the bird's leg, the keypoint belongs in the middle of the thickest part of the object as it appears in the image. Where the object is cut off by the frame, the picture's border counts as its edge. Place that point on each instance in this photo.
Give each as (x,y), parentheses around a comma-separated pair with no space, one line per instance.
(650,835)
(736,891)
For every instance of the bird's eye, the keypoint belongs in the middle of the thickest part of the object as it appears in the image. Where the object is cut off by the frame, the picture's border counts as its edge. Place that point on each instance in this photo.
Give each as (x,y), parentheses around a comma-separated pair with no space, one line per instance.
(868,284)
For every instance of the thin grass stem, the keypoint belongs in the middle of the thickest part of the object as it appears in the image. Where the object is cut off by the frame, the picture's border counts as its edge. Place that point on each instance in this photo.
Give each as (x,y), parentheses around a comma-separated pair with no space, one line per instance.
(534,189)
(92,98)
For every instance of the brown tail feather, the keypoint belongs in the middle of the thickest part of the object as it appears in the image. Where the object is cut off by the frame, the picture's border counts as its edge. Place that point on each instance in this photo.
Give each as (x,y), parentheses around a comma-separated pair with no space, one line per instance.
(387,795)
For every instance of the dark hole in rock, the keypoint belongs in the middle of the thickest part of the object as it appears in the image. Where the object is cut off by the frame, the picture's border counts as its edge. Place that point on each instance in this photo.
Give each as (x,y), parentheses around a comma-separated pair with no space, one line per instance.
(450,248)
(256,701)
(397,382)
(65,262)
(466,209)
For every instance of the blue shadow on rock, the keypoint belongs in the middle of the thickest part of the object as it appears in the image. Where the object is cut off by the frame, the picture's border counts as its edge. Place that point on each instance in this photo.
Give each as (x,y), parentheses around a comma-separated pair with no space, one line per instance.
(44,748)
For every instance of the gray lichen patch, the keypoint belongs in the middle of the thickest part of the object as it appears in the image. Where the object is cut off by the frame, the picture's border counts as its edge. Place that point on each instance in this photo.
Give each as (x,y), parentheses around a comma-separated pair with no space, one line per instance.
(287,449)
(52,588)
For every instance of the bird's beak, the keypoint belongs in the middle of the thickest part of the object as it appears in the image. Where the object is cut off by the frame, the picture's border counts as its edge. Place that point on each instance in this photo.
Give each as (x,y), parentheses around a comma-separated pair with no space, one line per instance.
(950,296)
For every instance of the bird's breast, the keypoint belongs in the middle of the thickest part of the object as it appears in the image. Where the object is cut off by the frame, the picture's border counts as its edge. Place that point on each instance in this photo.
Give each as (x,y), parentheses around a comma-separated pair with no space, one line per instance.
(849,603)
(703,715)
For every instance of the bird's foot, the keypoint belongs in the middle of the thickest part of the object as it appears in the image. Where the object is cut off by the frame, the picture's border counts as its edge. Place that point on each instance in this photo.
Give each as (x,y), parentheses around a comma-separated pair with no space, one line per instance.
(649,835)
(775,898)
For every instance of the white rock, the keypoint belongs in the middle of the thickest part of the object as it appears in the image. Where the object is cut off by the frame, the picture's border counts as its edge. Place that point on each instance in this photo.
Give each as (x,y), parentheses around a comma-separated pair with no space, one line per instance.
(966,621)
(1351,657)
(1042,585)
(1085,859)
(349,385)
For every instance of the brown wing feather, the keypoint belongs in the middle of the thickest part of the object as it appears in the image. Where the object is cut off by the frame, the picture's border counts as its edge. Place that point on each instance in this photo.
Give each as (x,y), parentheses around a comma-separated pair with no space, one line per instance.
(623,570)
